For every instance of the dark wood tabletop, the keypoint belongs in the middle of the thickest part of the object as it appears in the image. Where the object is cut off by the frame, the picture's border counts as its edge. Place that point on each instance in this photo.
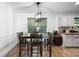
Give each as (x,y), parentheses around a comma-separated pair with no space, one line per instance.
(26,36)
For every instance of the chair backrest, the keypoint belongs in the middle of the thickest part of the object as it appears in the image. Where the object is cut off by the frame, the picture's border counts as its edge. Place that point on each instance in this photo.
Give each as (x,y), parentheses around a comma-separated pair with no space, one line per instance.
(36,38)
(54,33)
(19,34)
(49,37)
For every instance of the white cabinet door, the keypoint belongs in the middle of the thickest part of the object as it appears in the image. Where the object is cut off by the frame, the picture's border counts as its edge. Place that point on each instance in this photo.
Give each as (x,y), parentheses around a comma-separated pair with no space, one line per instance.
(62,21)
(67,40)
(66,21)
(70,21)
(75,41)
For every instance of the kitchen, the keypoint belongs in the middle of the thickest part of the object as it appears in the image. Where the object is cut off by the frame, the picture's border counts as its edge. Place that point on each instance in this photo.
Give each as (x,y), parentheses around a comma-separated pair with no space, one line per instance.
(70,32)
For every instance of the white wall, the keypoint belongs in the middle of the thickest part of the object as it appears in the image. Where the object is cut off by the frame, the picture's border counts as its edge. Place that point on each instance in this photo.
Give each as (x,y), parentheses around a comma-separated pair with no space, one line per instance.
(5,19)
(53,20)
(7,37)
(21,21)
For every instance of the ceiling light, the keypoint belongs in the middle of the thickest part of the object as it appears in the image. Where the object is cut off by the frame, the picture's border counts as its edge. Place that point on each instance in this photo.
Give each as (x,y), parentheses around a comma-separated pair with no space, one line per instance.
(77,3)
(38,12)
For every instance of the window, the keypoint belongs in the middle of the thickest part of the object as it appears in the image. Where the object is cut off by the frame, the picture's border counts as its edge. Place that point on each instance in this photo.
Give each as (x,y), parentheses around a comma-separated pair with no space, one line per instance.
(37,26)
(76,21)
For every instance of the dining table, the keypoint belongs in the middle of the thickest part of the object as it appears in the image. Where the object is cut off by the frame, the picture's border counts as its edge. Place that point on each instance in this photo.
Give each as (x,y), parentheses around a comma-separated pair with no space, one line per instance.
(27,39)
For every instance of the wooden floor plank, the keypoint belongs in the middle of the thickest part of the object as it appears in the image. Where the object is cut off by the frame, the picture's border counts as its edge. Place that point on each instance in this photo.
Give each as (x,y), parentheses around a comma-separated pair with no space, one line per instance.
(57,51)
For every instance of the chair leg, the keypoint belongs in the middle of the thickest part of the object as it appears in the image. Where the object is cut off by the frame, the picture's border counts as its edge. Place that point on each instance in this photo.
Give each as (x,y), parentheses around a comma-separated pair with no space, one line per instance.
(20,50)
(50,50)
(31,50)
(25,44)
(41,50)
(47,47)
(27,50)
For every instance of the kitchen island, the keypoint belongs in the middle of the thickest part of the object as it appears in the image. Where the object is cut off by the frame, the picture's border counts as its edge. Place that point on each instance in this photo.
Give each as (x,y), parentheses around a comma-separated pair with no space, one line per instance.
(71,39)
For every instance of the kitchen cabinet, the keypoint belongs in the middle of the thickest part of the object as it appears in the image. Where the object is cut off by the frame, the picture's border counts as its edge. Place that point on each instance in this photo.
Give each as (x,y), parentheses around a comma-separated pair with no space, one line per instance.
(67,40)
(65,21)
(71,40)
(75,40)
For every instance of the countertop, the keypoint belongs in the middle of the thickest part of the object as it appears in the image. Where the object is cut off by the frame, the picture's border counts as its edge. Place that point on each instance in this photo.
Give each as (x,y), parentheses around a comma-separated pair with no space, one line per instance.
(71,33)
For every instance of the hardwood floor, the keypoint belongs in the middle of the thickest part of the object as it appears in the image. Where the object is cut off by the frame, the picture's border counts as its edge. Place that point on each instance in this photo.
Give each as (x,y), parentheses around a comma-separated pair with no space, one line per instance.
(57,51)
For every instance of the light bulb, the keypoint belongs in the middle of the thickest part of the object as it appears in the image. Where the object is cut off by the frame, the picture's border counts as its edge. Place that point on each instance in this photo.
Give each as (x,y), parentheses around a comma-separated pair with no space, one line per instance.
(77,3)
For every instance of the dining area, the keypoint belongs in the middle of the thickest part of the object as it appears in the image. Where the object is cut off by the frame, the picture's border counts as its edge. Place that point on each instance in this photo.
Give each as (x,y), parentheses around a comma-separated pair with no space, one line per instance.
(39,29)
(34,45)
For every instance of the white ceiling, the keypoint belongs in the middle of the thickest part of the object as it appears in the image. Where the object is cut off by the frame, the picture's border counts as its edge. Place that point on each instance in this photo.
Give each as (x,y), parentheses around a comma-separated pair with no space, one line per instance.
(53,7)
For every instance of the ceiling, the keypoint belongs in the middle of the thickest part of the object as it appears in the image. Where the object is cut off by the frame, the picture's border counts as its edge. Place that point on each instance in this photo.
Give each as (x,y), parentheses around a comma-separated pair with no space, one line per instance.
(52,7)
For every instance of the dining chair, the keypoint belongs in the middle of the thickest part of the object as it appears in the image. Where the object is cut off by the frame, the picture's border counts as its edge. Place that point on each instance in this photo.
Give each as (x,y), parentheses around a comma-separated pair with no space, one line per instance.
(23,44)
(49,44)
(18,36)
(36,41)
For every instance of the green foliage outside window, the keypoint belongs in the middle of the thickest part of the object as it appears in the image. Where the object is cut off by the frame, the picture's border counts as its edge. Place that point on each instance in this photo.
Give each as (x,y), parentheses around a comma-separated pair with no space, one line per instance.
(33,24)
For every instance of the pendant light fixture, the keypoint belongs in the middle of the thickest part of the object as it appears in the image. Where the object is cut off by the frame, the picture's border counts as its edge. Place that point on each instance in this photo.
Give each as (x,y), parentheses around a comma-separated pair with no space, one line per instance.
(38,12)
